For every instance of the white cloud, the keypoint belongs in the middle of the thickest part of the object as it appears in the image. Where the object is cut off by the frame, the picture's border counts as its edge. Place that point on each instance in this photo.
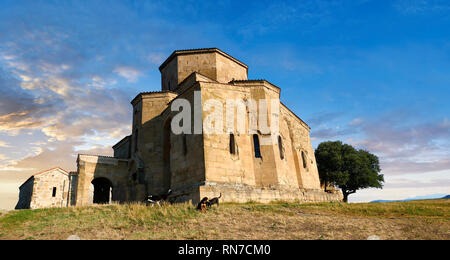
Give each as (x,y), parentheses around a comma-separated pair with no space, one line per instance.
(4,144)
(25,77)
(356,122)
(14,169)
(16,121)
(156,58)
(129,73)
(100,82)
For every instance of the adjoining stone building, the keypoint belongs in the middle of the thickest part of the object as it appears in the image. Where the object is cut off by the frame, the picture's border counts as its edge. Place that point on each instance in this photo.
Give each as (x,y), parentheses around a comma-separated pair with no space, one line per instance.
(237,164)
(46,189)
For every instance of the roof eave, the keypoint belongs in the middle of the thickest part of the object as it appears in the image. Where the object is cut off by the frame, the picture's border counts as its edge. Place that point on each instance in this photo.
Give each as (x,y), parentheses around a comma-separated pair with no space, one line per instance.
(196,51)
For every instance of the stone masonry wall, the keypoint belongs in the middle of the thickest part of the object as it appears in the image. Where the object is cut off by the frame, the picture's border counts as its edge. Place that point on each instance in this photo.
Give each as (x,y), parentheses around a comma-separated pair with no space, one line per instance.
(148,159)
(115,170)
(43,190)
(293,176)
(243,193)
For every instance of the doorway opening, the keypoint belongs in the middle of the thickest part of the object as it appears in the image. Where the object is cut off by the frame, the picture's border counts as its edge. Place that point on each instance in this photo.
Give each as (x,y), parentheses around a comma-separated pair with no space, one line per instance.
(102,191)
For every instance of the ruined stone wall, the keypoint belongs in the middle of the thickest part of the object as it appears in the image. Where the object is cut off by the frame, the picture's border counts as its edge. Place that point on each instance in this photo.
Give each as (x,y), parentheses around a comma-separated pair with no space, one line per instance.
(43,190)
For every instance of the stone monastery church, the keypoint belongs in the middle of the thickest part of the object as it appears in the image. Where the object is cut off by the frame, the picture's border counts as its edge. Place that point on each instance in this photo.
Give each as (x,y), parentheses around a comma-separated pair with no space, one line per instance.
(152,160)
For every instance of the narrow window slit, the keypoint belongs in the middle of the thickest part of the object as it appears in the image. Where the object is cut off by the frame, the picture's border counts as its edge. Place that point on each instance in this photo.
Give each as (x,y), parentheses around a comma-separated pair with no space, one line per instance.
(257,147)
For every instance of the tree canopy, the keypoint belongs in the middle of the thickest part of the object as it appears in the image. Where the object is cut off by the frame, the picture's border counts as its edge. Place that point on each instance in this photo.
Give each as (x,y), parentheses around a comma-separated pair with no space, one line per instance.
(348,168)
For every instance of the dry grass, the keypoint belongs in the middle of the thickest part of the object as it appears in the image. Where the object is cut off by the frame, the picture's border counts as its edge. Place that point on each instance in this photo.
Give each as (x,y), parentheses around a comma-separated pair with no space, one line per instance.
(400,220)
(2,212)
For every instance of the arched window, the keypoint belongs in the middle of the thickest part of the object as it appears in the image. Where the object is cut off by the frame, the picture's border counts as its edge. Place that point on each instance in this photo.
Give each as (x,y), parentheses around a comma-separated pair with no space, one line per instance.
(304,159)
(280,147)
(232,144)
(256,146)
(54,192)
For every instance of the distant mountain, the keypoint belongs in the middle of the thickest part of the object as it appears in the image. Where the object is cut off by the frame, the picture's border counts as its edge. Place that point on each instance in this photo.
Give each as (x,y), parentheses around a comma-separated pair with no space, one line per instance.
(384,201)
(426,197)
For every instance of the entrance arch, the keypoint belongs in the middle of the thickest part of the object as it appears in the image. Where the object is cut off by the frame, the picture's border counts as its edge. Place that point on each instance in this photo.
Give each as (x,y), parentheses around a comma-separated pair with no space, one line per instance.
(102,191)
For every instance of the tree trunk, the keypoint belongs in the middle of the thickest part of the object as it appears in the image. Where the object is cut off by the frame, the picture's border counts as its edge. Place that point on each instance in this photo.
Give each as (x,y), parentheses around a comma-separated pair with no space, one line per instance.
(345,197)
(346,192)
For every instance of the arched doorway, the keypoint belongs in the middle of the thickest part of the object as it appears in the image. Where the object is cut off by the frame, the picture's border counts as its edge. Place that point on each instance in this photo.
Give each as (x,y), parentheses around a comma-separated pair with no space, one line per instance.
(102,191)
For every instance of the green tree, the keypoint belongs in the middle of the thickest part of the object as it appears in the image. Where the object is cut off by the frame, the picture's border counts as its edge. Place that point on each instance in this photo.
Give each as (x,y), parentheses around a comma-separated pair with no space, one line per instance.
(348,168)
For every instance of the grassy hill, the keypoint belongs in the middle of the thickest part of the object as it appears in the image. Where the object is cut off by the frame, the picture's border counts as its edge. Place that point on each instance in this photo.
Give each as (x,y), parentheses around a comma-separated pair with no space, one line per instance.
(397,220)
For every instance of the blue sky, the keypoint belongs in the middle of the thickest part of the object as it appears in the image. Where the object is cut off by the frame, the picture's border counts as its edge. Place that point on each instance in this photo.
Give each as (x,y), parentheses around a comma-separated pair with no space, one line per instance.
(375,74)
